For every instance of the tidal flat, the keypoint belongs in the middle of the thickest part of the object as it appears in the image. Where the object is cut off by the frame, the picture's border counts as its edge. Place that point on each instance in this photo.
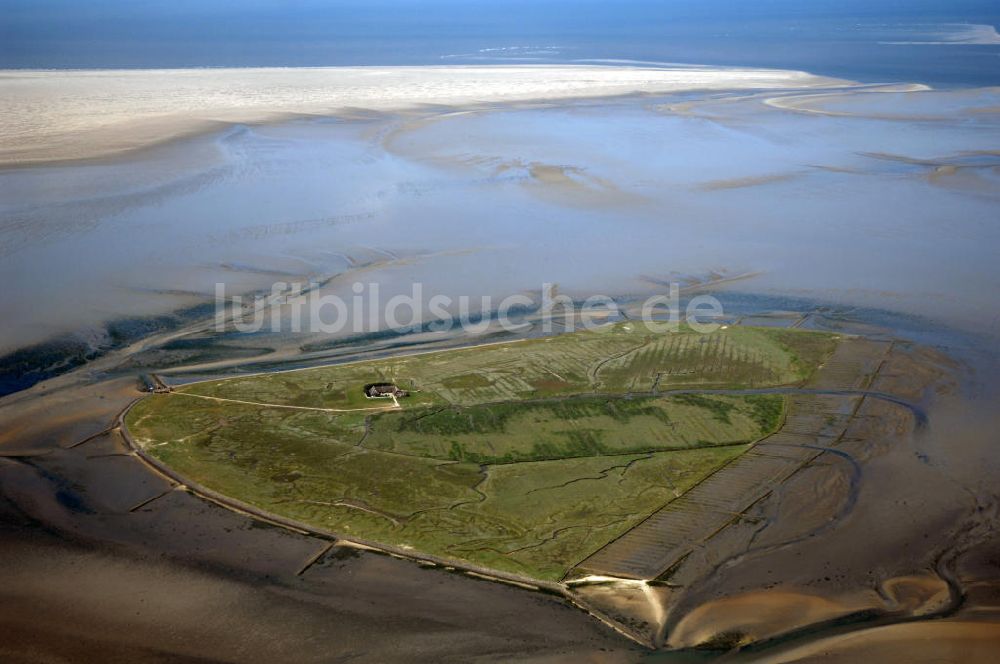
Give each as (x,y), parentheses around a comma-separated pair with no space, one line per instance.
(599,195)
(865,211)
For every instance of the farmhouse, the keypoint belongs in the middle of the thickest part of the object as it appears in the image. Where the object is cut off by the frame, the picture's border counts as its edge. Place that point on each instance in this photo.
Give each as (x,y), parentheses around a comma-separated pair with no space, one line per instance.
(383,391)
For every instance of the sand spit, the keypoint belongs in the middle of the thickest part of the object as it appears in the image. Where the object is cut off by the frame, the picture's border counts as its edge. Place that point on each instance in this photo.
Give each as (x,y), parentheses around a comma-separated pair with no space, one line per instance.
(882,102)
(66,115)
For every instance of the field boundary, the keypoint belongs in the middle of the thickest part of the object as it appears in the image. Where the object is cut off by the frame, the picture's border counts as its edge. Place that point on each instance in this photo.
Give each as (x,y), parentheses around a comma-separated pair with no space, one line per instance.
(817,415)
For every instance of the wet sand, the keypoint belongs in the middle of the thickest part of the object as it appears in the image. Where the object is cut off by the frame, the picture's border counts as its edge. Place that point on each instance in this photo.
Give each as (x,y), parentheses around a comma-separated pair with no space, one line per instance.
(907,524)
(598,195)
(99,545)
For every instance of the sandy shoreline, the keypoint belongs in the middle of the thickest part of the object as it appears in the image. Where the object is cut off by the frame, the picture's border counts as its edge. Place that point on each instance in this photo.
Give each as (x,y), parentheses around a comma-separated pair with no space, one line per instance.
(81,114)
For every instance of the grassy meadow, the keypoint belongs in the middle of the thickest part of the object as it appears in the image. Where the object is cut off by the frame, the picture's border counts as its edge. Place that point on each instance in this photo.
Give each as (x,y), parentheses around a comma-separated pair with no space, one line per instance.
(524,457)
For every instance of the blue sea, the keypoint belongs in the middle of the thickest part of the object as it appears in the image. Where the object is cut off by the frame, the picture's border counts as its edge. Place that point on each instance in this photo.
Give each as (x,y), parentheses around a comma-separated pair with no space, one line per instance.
(940,43)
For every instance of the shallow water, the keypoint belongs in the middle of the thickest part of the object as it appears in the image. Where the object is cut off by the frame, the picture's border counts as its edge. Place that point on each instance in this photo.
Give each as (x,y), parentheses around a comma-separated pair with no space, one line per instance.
(612,198)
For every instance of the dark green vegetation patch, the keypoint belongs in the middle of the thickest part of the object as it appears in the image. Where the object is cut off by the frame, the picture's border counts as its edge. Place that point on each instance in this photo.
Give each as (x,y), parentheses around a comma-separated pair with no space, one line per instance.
(573,427)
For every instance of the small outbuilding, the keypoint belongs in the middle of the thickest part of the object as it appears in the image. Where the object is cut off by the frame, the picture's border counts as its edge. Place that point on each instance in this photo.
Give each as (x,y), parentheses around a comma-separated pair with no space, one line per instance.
(151,383)
(383,391)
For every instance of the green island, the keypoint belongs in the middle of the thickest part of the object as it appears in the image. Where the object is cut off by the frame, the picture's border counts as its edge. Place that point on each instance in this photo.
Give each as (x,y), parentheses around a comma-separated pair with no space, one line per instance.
(523,457)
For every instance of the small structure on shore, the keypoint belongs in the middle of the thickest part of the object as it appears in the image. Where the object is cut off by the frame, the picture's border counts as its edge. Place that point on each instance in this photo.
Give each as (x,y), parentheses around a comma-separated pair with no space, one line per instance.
(151,383)
(383,391)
